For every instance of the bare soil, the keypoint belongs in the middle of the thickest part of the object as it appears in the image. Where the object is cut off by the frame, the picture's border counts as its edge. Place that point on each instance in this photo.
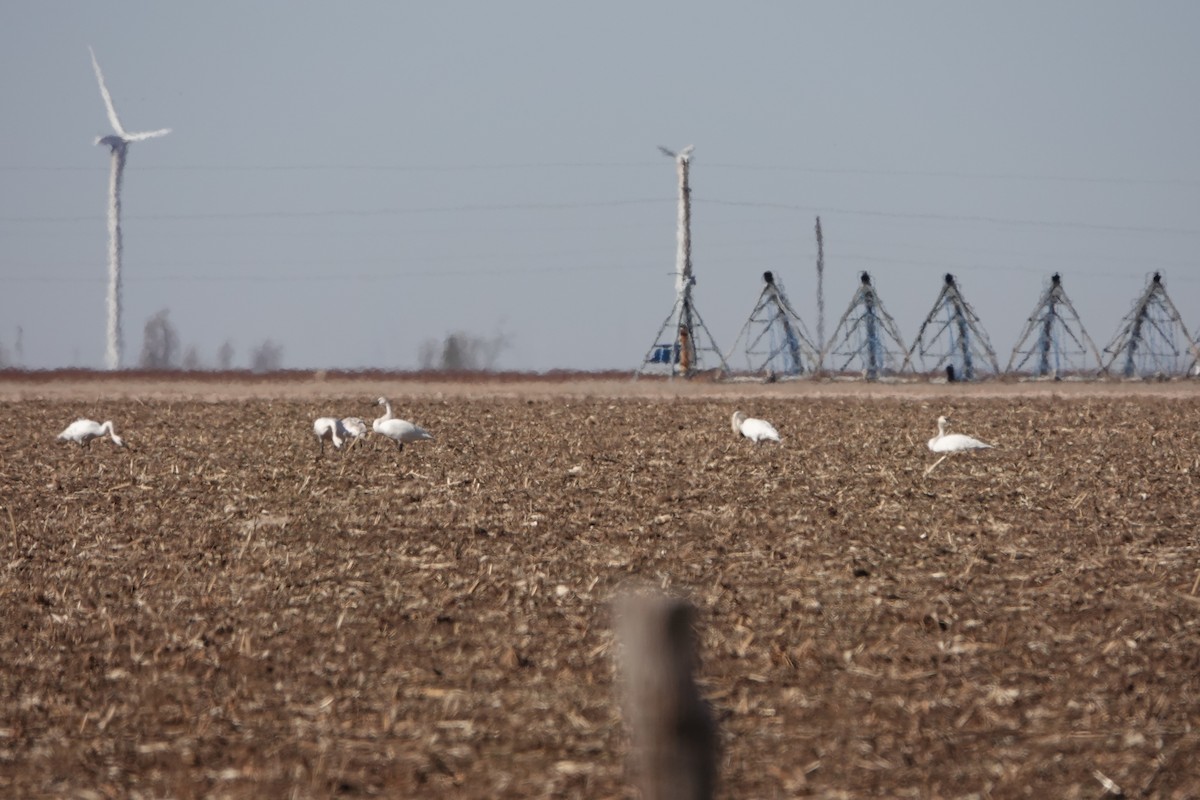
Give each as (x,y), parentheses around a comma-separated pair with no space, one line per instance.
(217,610)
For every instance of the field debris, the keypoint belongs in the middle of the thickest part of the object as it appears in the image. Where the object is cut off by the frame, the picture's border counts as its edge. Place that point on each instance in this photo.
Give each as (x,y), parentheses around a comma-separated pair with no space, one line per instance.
(218,613)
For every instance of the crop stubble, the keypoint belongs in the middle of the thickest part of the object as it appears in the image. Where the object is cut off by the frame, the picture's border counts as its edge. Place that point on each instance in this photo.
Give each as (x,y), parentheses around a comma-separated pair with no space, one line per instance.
(217,611)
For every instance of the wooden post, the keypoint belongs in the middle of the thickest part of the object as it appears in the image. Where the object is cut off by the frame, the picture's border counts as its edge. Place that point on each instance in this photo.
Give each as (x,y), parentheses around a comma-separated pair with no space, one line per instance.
(674,735)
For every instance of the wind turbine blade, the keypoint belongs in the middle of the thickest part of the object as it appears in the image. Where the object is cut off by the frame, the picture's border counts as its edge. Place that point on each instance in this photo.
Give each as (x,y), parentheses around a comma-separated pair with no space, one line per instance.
(108,103)
(137,137)
(667,152)
(687,151)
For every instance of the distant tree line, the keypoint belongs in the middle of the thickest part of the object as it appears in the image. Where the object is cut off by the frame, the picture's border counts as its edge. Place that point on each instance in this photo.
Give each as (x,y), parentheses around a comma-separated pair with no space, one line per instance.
(460,351)
(161,350)
(7,358)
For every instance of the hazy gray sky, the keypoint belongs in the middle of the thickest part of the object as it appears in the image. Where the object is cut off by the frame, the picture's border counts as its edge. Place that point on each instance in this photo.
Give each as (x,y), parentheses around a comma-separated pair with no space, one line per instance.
(350,179)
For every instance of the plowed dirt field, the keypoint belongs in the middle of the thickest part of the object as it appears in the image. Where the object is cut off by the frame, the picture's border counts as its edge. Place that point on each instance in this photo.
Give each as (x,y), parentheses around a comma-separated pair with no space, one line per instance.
(217,610)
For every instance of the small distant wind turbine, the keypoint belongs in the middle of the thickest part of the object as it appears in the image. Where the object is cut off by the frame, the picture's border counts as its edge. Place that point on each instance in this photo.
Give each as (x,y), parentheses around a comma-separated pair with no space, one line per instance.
(680,354)
(119,144)
(683,233)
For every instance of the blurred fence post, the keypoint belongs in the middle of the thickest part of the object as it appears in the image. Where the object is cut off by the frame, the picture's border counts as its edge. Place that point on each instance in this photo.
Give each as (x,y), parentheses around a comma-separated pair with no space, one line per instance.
(674,736)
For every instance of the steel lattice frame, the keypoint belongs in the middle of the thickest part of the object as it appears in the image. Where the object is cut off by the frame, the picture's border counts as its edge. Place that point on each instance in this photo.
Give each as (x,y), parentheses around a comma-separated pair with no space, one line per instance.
(1152,340)
(1054,338)
(863,334)
(958,341)
(777,342)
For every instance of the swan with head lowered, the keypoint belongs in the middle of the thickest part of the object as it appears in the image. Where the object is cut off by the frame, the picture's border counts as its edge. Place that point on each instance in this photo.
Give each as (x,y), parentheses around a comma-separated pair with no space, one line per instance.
(339,431)
(82,431)
(353,428)
(400,431)
(328,428)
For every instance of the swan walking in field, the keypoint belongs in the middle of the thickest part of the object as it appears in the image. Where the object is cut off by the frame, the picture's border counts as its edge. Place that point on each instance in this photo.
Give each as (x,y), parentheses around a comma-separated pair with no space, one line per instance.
(950,443)
(401,431)
(756,430)
(82,431)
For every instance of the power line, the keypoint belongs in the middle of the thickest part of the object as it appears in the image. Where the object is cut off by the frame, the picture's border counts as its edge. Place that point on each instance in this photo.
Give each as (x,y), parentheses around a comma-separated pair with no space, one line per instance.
(997,176)
(955,217)
(403,274)
(358,212)
(340,167)
(559,206)
(516,166)
(330,276)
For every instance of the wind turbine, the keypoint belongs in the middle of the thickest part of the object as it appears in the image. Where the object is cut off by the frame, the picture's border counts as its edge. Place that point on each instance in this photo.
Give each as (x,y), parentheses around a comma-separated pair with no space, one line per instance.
(683,231)
(118,142)
(680,354)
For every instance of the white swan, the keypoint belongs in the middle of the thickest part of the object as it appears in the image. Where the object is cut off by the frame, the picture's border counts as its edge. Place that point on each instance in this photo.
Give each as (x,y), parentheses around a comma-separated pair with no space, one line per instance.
(400,431)
(327,428)
(339,431)
(756,430)
(83,431)
(353,428)
(948,443)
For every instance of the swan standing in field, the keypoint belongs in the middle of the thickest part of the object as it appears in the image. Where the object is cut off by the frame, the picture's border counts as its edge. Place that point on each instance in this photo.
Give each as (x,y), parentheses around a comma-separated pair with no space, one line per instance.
(756,430)
(83,431)
(950,443)
(400,431)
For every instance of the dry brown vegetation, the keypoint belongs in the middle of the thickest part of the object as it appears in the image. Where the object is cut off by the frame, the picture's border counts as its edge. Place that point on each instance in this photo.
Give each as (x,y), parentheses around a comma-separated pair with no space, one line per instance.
(216,611)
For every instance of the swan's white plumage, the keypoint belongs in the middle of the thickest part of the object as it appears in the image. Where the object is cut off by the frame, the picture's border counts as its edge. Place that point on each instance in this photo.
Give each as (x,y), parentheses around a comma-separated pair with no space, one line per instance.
(327,428)
(401,431)
(83,431)
(948,443)
(353,427)
(756,430)
(953,442)
(339,431)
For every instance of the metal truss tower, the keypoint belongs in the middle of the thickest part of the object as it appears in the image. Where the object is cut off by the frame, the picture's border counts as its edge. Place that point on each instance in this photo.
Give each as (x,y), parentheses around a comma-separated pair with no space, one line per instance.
(1152,340)
(777,343)
(867,335)
(1054,338)
(952,338)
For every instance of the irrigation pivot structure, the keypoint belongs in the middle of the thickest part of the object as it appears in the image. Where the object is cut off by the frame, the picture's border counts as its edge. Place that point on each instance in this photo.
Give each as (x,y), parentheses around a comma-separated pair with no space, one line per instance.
(952,338)
(1054,338)
(866,335)
(678,348)
(118,142)
(1152,340)
(777,343)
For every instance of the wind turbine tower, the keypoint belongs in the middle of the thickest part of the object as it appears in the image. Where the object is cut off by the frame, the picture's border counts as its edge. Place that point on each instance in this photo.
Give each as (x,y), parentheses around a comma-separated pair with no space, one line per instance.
(681,353)
(118,142)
